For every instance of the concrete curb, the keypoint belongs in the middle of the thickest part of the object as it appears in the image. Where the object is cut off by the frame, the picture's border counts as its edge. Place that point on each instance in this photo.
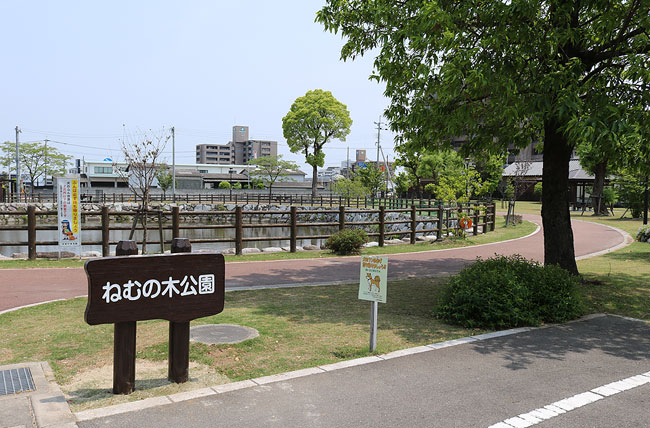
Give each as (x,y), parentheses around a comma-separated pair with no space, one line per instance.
(48,404)
(627,240)
(220,389)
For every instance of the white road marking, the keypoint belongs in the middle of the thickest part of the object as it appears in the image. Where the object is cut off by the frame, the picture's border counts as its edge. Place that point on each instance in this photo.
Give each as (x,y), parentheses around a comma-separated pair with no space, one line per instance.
(566,405)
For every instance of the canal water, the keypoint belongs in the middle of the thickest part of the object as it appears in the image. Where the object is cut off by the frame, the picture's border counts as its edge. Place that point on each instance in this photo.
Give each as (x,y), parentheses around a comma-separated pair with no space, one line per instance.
(153,238)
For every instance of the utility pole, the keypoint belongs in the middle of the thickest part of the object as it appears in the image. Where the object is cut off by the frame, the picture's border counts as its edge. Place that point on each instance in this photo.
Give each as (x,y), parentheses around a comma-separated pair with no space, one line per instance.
(379,128)
(45,162)
(19,184)
(347,165)
(173,165)
(387,171)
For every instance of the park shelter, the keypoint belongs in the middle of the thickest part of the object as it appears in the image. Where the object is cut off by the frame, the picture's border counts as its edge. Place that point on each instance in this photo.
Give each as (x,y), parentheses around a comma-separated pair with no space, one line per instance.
(530,173)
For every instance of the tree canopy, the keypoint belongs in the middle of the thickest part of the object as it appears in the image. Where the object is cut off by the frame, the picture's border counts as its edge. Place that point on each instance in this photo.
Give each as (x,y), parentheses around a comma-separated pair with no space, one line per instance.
(312,121)
(372,178)
(37,160)
(505,73)
(272,169)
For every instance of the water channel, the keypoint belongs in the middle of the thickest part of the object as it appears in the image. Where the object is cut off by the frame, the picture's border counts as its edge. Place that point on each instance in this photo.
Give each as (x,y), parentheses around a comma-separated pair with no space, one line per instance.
(153,238)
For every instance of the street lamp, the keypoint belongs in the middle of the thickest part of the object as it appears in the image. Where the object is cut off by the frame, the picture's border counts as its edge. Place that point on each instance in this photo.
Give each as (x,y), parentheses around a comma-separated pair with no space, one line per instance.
(230,172)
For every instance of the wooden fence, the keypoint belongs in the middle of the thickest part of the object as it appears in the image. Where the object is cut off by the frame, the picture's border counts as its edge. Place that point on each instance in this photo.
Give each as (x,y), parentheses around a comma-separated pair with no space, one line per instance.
(240,197)
(445,217)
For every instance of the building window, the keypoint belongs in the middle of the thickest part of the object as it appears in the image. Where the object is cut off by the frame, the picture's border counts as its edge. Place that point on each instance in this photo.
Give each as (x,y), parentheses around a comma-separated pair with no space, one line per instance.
(103,170)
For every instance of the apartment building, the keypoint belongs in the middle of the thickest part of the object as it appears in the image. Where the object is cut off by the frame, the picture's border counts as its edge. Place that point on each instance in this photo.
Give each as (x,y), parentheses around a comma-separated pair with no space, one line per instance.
(239,151)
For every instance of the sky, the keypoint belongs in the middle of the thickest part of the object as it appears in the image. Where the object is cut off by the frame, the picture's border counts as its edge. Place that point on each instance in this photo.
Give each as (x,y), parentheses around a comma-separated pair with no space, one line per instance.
(89,74)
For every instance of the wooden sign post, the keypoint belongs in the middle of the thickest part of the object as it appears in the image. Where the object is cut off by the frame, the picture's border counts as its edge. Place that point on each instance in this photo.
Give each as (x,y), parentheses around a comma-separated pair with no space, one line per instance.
(178,287)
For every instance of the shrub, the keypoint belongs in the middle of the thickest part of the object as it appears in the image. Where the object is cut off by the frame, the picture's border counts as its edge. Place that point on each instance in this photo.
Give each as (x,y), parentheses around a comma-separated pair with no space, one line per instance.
(236,186)
(347,241)
(538,190)
(643,235)
(504,292)
(224,185)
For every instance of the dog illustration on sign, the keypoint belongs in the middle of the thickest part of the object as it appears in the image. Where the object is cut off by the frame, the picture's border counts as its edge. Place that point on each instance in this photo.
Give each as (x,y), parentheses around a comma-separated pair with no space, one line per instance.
(373,281)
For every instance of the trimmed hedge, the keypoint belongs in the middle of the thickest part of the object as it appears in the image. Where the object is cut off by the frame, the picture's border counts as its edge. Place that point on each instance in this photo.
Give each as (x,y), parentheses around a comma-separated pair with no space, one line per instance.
(504,292)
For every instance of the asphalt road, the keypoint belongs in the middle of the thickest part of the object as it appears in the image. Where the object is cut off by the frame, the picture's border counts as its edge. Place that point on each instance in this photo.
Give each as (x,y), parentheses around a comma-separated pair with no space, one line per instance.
(20,287)
(476,384)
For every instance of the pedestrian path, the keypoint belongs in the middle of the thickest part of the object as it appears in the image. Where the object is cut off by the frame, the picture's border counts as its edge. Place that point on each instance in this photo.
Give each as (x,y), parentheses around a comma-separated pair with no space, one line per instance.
(552,376)
(19,287)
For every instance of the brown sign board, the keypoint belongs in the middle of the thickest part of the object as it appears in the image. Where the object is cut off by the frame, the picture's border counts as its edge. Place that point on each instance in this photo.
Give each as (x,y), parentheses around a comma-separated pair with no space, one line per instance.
(174,287)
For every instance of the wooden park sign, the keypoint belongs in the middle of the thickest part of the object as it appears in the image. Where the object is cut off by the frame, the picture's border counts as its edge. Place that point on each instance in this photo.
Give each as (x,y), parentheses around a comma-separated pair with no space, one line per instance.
(176,287)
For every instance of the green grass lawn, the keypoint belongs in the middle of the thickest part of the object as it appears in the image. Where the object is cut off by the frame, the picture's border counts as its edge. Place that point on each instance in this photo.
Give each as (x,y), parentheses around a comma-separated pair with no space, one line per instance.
(299,328)
(501,233)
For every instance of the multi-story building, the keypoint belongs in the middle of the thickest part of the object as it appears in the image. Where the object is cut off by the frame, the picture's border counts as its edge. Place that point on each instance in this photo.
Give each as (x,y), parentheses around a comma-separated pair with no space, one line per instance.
(238,151)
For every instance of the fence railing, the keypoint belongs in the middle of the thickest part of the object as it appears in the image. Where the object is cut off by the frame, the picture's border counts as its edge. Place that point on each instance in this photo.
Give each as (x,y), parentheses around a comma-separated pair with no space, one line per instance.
(238,197)
(444,217)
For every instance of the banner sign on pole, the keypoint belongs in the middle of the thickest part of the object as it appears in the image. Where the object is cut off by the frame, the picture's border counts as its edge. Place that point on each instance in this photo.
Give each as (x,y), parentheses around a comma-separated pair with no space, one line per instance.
(373,278)
(69,212)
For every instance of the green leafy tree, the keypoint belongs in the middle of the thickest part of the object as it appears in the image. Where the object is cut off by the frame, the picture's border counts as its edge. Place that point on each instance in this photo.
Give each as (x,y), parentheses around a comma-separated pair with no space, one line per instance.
(165,179)
(505,73)
(631,186)
(257,183)
(403,183)
(312,121)
(272,169)
(224,185)
(372,178)
(490,169)
(37,160)
(410,157)
(604,149)
(236,186)
(349,188)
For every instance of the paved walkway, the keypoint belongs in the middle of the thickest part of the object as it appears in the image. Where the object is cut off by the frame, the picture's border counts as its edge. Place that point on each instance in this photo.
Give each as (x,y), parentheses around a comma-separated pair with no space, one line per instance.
(20,287)
(590,373)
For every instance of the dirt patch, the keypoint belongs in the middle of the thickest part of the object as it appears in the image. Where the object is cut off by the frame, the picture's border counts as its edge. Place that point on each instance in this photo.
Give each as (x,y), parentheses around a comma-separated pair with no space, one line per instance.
(92,388)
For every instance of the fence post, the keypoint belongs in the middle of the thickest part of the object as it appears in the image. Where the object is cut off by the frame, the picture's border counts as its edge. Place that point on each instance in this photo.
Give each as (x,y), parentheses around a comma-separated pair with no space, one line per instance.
(413,223)
(176,220)
(441,214)
(106,249)
(239,230)
(124,339)
(179,332)
(475,231)
(382,224)
(294,229)
(31,232)
(341,217)
(485,219)
(493,207)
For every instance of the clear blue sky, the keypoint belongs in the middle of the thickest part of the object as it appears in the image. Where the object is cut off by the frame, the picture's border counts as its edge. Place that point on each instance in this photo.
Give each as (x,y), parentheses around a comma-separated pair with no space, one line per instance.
(77,71)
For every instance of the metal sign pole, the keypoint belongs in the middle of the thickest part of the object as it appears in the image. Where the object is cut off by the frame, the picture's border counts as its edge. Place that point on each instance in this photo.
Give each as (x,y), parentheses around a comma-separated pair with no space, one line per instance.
(373,326)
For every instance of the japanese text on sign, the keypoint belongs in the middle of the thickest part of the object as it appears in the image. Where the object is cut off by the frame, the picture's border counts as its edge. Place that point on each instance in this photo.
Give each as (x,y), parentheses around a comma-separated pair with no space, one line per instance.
(153,288)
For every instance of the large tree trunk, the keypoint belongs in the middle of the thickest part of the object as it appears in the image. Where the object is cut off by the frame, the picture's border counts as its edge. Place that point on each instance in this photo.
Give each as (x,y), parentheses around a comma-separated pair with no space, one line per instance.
(558,234)
(314,182)
(597,202)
